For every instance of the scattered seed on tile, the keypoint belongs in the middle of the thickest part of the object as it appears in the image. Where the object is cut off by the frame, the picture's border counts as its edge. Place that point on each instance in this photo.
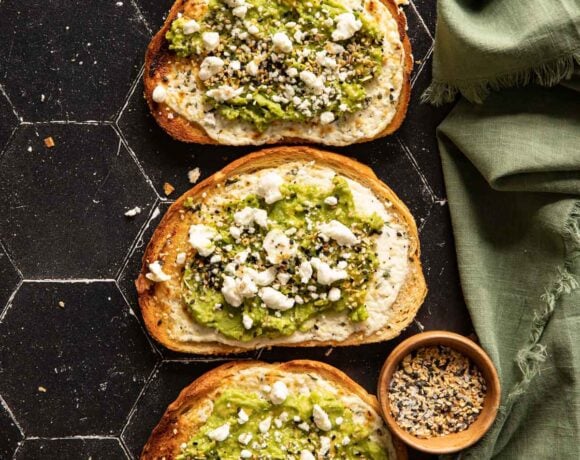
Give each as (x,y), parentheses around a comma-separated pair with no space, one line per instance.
(168,188)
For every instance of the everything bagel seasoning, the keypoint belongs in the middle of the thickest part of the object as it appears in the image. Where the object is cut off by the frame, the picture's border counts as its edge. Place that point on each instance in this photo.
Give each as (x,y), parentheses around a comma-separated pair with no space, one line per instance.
(436,391)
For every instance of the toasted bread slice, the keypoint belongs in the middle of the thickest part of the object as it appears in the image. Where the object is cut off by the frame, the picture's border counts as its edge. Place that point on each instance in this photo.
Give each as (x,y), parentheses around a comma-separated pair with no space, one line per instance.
(165,312)
(159,62)
(183,418)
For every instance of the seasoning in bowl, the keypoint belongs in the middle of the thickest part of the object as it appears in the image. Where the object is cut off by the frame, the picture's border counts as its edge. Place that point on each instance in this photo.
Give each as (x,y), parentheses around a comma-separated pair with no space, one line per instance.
(436,391)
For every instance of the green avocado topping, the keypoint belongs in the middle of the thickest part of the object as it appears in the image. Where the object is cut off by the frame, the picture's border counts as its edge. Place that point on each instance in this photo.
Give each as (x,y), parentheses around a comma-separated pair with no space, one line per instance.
(297,215)
(290,430)
(282,60)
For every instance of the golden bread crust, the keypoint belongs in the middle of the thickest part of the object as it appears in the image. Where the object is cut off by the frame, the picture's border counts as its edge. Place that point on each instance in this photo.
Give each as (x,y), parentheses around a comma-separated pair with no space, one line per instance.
(172,231)
(173,429)
(158,56)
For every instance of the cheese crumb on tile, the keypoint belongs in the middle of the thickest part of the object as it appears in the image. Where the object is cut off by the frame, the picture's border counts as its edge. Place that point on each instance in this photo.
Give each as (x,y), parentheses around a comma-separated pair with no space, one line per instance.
(193,175)
(156,273)
(133,212)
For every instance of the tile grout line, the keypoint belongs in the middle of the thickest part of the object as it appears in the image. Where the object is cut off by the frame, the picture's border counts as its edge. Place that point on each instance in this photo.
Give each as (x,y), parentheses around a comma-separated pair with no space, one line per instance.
(142,17)
(14,111)
(417,168)
(422,66)
(9,140)
(138,238)
(125,449)
(12,416)
(154,349)
(68,122)
(135,159)
(10,259)
(422,20)
(72,437)
(69,280)
(6,307)
(152,374)
(129,95)
(420,227)
(217,359)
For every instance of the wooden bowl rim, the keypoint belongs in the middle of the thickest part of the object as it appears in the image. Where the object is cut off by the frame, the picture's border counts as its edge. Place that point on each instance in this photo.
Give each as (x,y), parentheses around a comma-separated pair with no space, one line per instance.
(456,441)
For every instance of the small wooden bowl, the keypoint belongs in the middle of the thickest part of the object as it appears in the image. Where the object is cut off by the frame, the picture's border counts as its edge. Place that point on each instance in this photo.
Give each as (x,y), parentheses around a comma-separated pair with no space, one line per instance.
(456,441)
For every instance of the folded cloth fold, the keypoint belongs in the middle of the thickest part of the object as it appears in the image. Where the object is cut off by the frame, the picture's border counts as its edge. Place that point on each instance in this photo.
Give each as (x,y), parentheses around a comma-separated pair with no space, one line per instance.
(485,45)
(511,164)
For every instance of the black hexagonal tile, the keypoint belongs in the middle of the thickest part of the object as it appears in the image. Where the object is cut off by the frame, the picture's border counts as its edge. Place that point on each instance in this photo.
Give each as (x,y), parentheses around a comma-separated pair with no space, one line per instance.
(419,36)
(155,12)
(427,11)
(73,357)
(8,120)
(70,449)
(71,60)
(9,276)
(64,207)
(418,131)
(164,159)
(392,164)
(10,435)
(444,307)
(166,384)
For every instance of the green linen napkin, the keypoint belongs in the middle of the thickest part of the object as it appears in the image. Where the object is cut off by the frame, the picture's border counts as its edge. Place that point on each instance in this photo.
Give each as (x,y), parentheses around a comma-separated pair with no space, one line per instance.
(511,162)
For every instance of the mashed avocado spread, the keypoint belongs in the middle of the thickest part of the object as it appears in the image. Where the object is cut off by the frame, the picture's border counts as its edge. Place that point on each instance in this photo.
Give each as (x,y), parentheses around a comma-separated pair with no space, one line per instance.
(267,266)
(281,60)
(244,425)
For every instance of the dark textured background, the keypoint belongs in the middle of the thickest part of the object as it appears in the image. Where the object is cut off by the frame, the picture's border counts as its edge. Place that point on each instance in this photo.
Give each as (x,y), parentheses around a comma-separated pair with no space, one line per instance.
(84,380)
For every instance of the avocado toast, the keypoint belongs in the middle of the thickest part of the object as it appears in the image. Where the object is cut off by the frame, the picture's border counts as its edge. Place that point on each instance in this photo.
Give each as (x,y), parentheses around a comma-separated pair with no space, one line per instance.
(288,246)
(251,72)
(299,410)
